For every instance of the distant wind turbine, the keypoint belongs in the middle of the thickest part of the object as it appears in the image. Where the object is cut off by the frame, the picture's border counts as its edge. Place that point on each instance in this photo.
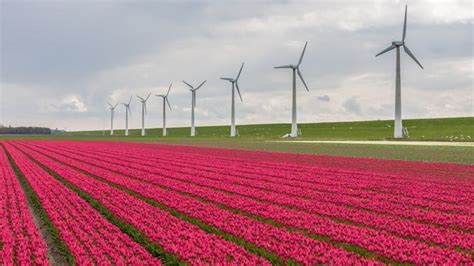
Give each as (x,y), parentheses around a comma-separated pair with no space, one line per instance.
(193,105)
(112,109)
(127,111)
(235,84)
(296,69)
(143,101)
(398,129)
(165,101)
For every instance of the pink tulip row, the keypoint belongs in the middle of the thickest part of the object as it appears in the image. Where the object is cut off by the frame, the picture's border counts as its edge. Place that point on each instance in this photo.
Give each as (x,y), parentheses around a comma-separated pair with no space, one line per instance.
(333,193)
(376,241)
(90,238)
(176,236)
(278,240)
(367,183)
(20,239)
(440,172)
(394,225)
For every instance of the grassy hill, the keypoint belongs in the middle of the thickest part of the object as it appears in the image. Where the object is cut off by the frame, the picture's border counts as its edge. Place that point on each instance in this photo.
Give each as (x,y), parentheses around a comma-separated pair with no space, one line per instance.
(444,129)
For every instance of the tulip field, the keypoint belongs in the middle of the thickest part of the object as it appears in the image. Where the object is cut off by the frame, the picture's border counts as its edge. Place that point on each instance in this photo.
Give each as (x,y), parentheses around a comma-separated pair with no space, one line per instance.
(116,203)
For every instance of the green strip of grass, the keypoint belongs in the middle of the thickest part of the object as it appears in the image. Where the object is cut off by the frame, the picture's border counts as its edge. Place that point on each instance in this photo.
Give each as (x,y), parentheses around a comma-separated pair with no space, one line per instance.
(35,202)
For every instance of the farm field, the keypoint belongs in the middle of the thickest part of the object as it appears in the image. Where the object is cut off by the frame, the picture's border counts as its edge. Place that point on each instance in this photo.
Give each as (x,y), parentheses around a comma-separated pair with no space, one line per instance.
(91,202)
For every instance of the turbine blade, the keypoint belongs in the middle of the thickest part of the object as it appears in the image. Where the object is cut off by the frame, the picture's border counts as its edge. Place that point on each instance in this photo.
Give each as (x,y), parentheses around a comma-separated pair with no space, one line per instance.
(228,79)
(301,77)
(171,84)
(115,105)
(169,105)
(411,55)
(405,24)
(302,53)
(129,101)
(148,96)
(200,85)
(188,84)
(240,71)
(386,50)
(110,104)
(238,90)
(140,98)
(285,66)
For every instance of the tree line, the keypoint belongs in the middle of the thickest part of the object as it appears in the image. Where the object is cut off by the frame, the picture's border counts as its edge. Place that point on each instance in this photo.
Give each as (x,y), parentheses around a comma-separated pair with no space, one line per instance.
(24,130)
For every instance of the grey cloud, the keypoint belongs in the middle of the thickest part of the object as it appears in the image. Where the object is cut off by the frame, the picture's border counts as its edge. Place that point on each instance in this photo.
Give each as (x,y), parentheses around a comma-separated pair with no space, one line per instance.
(324,98)
(352,105)
(109,51)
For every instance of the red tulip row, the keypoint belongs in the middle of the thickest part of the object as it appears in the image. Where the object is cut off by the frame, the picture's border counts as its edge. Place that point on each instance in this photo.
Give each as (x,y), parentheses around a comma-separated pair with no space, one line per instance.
(425,171)
(322,206)
(176,236)
(384,244)
(326,180)
(20,240)
(332,193)
(286,244)
(90,238)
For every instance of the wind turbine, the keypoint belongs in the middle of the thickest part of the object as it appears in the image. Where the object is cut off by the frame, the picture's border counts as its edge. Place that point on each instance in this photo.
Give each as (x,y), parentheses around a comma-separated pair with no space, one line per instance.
(193,104)
(398,129)
(165,101)
(143,101)
(296,69)
(127,111)
(235,84)
(112,109)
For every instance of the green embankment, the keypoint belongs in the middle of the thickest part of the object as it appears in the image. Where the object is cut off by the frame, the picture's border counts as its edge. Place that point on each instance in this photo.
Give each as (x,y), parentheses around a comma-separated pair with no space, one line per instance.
(444,129)
(254,137)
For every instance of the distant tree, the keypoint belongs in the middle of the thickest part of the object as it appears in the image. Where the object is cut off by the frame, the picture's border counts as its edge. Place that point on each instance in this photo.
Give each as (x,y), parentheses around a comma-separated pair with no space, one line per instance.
(25,130)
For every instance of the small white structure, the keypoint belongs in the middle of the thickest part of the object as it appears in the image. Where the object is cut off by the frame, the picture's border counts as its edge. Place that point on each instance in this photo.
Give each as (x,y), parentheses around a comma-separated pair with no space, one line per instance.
(193,104)
(165,101)
(295,69)
(127,111)
(143,101)
(398,129)
(112,110)
(235,85)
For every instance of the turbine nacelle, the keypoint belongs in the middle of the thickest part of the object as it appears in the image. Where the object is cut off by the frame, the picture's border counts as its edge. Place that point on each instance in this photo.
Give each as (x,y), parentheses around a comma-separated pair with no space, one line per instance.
(398,43)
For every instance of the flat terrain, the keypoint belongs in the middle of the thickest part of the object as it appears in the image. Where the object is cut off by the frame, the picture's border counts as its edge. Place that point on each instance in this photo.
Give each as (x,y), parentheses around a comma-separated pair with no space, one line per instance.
(256,137)
(165,204)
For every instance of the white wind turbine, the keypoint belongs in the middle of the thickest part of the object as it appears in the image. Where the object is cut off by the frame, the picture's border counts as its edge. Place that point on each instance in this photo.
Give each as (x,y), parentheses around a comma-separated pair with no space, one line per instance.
(193,105)
(112,110)
(127,111)
(143,101)
(398,129)
(296,69)
(165,101)
(235,84)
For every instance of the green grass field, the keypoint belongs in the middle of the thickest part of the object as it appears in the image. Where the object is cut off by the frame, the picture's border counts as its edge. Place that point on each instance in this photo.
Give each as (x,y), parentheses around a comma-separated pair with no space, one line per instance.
(458,129)
(254,137)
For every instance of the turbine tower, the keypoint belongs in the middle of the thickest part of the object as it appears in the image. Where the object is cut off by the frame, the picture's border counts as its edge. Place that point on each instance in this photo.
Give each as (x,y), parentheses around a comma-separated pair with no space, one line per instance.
(398,129)
(143,101)
(112,109)
(127,111)
(235,84)
(193,105)
(296,69)
(165,101)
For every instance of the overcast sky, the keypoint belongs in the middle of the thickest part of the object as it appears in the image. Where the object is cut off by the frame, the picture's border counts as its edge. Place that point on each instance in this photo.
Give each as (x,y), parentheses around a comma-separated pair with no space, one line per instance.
(61,61)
